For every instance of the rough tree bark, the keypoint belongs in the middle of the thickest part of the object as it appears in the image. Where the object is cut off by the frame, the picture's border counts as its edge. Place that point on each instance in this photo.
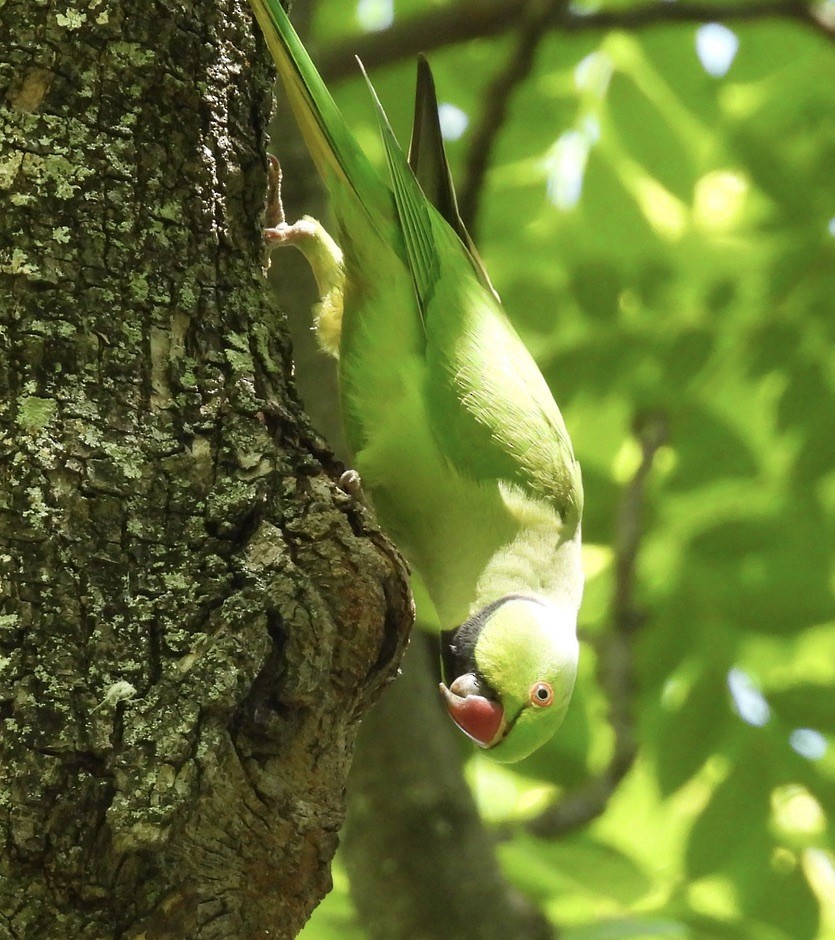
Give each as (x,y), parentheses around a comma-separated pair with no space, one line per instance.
(192,616)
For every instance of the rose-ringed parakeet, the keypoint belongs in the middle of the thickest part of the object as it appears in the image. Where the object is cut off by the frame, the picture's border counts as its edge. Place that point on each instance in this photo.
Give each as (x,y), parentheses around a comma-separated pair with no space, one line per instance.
(454,433)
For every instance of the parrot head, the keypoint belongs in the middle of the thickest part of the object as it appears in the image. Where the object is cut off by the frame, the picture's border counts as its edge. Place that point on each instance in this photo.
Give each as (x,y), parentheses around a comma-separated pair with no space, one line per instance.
(511,669)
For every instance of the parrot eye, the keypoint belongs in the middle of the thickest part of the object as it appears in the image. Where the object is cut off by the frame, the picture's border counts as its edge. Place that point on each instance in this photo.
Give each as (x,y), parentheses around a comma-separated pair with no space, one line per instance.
(542,694)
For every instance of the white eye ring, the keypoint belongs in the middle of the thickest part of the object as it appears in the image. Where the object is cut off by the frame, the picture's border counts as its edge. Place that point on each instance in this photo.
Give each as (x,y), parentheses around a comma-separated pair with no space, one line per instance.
(542,695)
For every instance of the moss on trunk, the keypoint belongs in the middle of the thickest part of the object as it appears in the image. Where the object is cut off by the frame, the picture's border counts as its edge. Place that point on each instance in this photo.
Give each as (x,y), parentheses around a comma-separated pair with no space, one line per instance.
(193,617)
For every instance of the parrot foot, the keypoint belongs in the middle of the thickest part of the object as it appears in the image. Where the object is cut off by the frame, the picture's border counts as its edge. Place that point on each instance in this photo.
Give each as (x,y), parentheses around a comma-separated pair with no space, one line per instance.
(351,483)
(323,255)
(308,235)
(283,234)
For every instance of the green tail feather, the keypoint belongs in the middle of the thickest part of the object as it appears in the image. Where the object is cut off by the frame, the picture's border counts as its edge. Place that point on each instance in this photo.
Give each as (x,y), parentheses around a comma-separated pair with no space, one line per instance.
(328,138)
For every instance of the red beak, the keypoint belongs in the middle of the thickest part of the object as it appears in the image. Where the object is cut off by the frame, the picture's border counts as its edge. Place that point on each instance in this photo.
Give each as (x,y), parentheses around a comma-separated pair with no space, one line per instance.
(477,716)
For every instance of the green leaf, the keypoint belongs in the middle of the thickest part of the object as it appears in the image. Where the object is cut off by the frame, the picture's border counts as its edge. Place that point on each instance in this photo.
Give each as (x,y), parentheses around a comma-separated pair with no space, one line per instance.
(779,895)
(750,573)
(731,829)
(710,928)
(631,927)
(689,734)
(544,869)
(650,139)
(708,449)
(805,706)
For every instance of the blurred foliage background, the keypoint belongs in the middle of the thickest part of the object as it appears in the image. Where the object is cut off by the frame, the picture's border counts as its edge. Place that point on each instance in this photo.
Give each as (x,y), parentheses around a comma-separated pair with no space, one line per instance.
(657,210)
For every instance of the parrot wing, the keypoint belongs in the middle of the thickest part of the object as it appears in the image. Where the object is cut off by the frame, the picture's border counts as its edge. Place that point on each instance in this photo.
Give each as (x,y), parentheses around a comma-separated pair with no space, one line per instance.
(493,415)
(427,160)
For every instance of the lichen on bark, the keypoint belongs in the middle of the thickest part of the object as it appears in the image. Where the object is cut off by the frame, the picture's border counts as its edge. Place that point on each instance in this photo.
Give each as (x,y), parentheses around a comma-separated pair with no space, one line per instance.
(193,617)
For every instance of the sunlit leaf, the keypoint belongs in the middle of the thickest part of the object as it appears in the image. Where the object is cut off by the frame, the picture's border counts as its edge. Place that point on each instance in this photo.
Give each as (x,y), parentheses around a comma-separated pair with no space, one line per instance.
(782,897)
(631,927)
(688,733)
(581,862)
(708,448)
(805,706)
(730,831)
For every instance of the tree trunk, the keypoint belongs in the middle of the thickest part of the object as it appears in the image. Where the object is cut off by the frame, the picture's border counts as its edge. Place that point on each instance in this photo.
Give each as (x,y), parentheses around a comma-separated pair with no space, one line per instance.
(193,617)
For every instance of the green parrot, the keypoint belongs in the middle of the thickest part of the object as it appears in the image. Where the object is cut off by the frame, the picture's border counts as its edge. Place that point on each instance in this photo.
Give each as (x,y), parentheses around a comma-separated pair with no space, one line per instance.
(453,431)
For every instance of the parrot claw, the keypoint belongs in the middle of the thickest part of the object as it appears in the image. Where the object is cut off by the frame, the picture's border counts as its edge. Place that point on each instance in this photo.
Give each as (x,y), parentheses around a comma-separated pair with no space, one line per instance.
(351,484)
(275,207)
(278,231)
(306,234)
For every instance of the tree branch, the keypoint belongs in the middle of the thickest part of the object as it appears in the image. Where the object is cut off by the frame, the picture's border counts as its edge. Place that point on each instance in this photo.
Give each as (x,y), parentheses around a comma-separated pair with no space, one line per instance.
(616,667)
(478,19)
(420,861)
(497,98)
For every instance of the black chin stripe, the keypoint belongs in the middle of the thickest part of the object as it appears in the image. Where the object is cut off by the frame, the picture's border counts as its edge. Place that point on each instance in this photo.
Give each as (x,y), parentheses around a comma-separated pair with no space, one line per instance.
(458,645)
